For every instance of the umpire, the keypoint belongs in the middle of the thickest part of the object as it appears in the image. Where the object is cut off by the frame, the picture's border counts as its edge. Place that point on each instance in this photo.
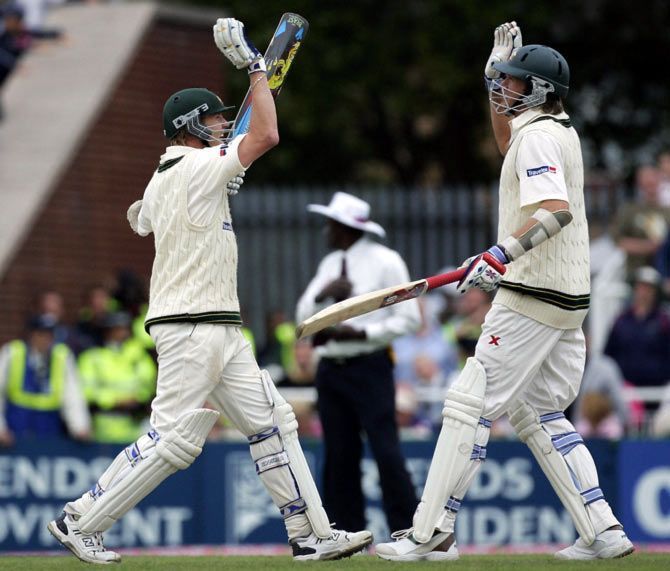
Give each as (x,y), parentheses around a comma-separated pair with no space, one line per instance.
(354,378)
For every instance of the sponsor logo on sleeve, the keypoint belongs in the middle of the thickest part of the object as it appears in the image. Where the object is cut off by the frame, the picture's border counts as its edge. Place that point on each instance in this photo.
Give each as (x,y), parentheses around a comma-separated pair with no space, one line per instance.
(541,170)
(223,149)
(227,226)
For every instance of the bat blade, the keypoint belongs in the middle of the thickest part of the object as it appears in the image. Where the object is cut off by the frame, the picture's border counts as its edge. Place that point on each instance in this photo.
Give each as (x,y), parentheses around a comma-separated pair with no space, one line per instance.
(281,51)
(367,302)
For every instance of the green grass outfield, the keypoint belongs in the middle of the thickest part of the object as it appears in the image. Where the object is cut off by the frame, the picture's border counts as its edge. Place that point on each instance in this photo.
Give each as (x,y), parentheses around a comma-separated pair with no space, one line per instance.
(638,561)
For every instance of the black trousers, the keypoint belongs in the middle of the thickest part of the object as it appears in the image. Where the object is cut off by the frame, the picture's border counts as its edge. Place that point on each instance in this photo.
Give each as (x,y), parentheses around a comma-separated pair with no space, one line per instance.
(357,396)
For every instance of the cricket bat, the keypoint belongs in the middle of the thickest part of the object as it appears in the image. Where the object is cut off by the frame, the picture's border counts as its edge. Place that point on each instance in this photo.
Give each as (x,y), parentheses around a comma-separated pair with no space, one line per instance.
(281,51)
(368,302)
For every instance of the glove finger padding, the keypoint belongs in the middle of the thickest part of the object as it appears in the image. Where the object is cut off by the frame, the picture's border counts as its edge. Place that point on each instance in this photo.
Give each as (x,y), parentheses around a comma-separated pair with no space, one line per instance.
(234,184)
(484,272)
(231,39)
(517,40)
(505,39)
(222,37)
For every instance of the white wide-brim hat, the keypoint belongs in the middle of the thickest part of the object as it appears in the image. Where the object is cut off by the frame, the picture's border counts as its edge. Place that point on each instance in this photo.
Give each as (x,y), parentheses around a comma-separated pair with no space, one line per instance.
(350,211)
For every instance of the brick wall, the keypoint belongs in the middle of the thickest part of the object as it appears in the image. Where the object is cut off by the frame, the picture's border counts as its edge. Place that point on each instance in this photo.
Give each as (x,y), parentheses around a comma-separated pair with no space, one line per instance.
(81,236)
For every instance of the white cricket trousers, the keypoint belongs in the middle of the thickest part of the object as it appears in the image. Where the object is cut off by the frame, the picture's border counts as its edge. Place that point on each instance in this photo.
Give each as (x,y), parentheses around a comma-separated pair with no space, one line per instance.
(529,361)
(208,362)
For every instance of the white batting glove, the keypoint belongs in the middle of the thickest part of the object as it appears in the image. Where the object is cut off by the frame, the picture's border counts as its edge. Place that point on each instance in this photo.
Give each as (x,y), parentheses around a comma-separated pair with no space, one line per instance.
(484,271)
(234,184)
(506,39)
(133,214)
(231,38)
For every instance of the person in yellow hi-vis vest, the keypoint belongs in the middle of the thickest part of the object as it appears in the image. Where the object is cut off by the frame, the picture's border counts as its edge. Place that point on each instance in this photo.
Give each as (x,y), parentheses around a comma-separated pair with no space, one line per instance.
(119,382)
(40,391)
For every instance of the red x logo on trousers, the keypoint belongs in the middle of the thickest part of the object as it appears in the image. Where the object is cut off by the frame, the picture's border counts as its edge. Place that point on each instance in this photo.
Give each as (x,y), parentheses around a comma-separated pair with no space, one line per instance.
(494,340)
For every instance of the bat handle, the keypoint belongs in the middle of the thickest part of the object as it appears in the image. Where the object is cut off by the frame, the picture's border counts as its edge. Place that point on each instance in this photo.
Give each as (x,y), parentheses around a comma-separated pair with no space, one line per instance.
(444,279)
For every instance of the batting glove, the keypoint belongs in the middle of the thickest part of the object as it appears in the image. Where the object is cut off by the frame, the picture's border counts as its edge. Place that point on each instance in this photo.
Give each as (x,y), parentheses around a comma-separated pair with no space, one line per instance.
(133,215)
(484,271)
(234,184)
(506,39)
(231,38)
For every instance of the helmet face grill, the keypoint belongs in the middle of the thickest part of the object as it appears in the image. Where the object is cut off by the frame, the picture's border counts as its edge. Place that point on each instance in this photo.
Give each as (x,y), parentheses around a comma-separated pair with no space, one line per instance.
(506,101)
(207,133)
(182,120)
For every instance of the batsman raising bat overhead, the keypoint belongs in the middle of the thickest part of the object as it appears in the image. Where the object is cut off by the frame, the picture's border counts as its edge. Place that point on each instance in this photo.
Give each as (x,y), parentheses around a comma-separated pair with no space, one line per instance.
(194,319)
(530,356)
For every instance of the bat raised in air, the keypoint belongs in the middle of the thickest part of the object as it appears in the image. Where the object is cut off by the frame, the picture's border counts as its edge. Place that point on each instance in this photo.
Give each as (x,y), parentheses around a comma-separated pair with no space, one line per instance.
(284,45)
(368,302)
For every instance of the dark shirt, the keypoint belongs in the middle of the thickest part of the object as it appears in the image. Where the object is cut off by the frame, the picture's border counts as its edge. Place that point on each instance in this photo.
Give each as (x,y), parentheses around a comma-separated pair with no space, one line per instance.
(12,45)
(641,347)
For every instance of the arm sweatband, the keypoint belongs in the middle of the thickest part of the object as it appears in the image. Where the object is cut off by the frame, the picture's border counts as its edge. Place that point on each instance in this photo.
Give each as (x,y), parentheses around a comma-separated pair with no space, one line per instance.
(548,224)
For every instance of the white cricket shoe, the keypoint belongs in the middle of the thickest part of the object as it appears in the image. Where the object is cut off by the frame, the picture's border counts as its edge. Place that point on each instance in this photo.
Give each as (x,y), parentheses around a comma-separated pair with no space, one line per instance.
(86,546)
(609,544)
(340,544)
(440,547)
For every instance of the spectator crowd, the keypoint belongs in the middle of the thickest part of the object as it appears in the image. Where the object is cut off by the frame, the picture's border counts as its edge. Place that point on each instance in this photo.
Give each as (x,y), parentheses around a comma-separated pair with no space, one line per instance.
(21,25)
(94,378)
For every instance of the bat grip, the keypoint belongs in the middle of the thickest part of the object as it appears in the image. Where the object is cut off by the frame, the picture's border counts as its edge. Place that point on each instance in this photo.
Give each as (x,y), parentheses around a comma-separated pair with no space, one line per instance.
(444,279)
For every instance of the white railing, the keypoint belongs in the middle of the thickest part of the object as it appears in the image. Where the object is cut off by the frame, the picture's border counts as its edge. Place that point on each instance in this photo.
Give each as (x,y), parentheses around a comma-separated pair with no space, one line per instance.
(437,394)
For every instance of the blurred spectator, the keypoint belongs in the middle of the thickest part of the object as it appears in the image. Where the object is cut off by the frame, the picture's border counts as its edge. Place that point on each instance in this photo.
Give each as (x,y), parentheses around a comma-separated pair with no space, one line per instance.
(92,317)
(247,333)
(39,387)
(14,38)
(466,324)
(130,291)
(119,382)
(642,226)
(598,418)
(412,424)
(432,382)
(663,164)
(609,285)
(601,411)
(661,421)
(304,362)
(302,374)
(662,261)
(429,342)
(50,302)
(640,338)
(139,332)
(35,12)
(131,295)
(277,355)
(443,300)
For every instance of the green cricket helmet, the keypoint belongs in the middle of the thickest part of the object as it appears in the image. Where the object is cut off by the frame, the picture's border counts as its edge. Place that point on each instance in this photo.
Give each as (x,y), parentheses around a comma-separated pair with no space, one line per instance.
(543,68)
(184,108)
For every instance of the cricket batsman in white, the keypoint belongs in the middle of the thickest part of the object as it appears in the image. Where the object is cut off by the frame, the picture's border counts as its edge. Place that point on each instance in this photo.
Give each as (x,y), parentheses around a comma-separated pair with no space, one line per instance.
(530,357)
(194,319)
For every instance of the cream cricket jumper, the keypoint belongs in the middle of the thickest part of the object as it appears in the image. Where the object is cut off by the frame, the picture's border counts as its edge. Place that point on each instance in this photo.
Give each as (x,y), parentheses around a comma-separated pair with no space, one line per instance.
(194,275)
(551,282)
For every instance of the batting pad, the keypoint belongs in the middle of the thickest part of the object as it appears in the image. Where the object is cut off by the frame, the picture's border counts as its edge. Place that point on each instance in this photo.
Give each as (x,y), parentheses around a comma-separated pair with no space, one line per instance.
(528,427)
(462,410)
(288,428)
(448,518)
(174,451)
